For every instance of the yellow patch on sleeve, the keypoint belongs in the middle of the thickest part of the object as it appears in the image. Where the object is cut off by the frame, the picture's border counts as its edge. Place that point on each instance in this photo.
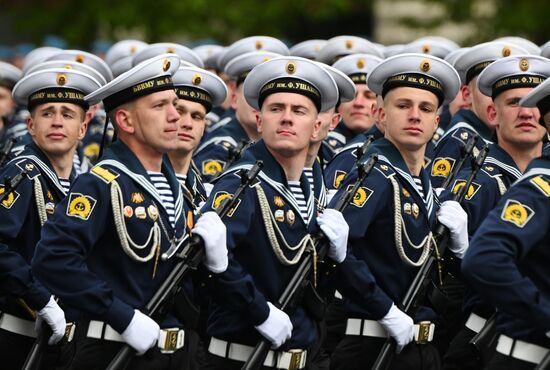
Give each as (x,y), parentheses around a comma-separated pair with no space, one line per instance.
(212,167)
(338,178)
(80,206)
(361,196)
(516,213)
(10,199)
(442,166)
(472,190)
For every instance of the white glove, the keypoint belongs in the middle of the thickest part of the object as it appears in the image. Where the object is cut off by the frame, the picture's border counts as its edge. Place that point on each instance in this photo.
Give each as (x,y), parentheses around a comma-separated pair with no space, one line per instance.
(212,230)
(438,191)
(336,229)
(277,327)
(330,194)
(399,325)
(455,218)
(54,317)
(142,333)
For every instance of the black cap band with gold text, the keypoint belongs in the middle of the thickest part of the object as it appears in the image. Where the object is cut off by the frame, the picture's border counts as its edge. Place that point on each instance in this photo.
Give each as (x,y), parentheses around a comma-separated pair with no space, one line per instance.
(141,89)
(415,80)
(476,70)
(196,95)
(57,95)
(291,85)
(515,82)
(358,78)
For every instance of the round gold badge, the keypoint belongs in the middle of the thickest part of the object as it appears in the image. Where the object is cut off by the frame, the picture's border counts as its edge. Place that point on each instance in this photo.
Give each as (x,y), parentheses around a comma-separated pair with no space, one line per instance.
(259,45)
(506,51)
(349,44)
(79,58)
(197,79)
(425,65)
(523,64)
(425,48)
(61,79)
(360,63)
(165,65)
(290,68)
(170,50)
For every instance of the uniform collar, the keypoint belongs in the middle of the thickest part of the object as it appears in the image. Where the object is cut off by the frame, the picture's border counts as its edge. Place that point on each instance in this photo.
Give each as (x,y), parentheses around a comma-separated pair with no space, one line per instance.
(342,129)
(388,153)
(466,115)
(121,157)
(35,154)
(500,158)
(273,174)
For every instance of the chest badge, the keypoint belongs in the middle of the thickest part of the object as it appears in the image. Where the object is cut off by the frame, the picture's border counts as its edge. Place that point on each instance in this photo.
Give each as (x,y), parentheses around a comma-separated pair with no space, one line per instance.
(137,198)
(153,212)
(290,217)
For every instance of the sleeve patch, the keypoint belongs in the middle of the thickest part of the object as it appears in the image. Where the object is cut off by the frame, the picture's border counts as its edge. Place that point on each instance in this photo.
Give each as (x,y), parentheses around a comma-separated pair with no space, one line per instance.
(220,197)
(80,206)
(472,190)
(338,178)
(541,184)
(516,213)
(212,167)
(10,199)
(442,166)
(361,196)
(104,174)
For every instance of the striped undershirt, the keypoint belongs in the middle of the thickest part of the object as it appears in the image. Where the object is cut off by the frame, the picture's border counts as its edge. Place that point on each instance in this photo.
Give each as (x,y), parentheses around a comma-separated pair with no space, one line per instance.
(418,183)
(181,178)
(161,184)
(65,184)
(296,190)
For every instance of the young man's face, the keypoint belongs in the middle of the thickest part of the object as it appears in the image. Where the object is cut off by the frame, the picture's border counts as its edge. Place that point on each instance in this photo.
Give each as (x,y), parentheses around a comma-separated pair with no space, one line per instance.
(516,125)
(329,120)
(154,120)
(190,124)
(7,105)
(245,114)
(357,114)
(57,127)
(410,117)
(287,123)
(479,102)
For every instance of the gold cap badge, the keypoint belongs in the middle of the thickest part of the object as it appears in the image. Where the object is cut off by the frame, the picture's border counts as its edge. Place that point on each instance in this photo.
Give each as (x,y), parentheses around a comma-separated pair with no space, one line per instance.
(61,79)
(425,65)
(290,68)
(360,63)
(79,58)
(197,79)
(165,65)
(523,64)
(349,44)
(506,51)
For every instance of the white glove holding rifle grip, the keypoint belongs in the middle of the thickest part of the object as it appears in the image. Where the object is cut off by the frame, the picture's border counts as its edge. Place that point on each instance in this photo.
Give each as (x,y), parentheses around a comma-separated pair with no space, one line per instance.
(455,219)
(54,316)
(212,230)
(277,328)
(142,333)
(399,326)
(336,229)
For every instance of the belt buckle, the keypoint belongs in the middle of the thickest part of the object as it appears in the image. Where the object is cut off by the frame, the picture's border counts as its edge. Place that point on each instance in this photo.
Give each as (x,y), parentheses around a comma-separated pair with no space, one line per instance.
(173,340)
(424,331)
(295,359)
(69,331)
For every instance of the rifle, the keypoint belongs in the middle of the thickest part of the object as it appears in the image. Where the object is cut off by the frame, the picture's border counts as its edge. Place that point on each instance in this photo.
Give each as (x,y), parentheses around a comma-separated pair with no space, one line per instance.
(363,149)
(486,337)
(190,258)
(466,153)
(418,289)
(234,153)
(300,280)
(12,184)
(6,150)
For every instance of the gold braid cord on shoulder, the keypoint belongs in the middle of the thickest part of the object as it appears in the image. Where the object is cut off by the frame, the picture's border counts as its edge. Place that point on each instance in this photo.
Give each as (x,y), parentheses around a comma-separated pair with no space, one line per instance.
(125,239)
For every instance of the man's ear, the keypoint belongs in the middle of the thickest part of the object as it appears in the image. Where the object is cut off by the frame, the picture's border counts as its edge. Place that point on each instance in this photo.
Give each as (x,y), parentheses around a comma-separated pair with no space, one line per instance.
(124,120)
